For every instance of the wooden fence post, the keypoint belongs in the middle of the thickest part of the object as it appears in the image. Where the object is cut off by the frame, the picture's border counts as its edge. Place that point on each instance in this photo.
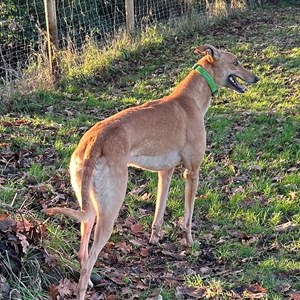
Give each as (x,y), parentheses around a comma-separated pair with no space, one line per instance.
(52,35)
(129,6)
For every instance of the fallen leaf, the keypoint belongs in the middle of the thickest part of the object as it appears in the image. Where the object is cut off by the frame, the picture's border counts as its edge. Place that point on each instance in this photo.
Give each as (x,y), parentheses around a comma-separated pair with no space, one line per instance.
(295,296)
(190,291)
(124,247)
(139,190)
(50,260)
(282,288)
(111,297)
(117,278)
(255,168)
(137,243)
(24,225)
(144,252)
(204,270)
(255,291)
(66,287)
(108,246)
(239,190)
(137,228)
(23,241)
(285,226)
(53,291)
(157,297)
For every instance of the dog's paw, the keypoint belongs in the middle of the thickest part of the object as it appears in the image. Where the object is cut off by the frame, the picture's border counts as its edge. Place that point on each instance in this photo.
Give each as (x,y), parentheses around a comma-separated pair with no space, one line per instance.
(154,239)
(156,235)
(186,243)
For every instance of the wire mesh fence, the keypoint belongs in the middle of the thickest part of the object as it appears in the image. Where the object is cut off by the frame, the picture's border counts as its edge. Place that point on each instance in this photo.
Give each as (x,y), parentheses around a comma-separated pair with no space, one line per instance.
(20,24)
(23,23)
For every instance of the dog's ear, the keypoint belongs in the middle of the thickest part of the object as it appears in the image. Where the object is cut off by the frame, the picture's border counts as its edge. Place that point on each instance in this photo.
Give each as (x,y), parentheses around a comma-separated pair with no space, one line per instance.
(208,50)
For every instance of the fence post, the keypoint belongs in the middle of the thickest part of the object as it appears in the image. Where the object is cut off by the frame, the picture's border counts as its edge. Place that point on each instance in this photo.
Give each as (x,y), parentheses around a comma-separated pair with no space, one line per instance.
(129,6)
(52,35)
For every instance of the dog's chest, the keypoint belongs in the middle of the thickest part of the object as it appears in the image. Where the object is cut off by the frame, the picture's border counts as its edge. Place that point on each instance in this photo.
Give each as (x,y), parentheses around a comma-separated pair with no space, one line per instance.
(155,163)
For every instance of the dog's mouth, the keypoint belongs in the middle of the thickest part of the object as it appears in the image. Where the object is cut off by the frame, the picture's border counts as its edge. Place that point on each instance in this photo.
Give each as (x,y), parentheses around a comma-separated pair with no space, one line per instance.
(233,84)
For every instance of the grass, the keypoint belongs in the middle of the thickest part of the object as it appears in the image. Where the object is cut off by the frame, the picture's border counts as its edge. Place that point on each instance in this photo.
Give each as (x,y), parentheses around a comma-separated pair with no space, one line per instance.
(249,179)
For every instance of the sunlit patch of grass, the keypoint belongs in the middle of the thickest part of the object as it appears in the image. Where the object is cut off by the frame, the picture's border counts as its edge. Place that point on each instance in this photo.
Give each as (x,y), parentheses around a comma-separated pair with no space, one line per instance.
(243,152)
(211,287)
(215,210)
(94,58)
(279,264)
(194,280)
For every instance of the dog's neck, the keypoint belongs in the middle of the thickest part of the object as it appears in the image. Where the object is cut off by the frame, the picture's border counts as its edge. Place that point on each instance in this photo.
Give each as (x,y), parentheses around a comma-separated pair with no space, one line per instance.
(207,77)
(194,88)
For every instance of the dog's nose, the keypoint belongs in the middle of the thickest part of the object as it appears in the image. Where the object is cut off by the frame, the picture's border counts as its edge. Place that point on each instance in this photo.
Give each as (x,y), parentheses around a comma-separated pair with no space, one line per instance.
(256,78)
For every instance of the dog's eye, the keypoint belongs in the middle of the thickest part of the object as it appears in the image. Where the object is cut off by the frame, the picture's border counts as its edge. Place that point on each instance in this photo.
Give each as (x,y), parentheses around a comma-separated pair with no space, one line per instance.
(236,62)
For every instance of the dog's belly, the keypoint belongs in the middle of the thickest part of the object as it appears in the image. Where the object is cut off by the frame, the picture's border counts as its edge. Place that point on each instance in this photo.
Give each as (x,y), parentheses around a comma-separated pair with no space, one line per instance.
(155,163)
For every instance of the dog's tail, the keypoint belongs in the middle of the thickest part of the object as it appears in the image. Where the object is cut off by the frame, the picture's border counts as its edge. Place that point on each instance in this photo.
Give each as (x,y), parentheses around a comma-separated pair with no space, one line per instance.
(87,208)
(78,215)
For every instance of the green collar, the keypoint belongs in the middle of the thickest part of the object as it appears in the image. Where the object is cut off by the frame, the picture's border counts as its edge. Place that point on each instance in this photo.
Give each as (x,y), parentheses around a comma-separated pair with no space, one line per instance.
(207,77)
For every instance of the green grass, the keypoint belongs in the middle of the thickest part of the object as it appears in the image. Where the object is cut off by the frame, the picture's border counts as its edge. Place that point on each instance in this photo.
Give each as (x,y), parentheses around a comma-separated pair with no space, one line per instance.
(249,179)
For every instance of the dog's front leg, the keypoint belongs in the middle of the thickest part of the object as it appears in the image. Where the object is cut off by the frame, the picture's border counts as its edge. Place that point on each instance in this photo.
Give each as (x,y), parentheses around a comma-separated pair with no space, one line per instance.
(164,180)
(191,184)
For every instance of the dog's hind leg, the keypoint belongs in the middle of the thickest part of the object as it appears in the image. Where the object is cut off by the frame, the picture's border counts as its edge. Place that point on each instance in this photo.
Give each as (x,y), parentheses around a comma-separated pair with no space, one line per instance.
(108,193)
(76,166)
(85,230)
(164,180)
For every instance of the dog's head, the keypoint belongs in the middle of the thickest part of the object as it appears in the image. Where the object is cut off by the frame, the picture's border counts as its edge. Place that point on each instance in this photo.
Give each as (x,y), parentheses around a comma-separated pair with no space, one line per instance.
(225,68)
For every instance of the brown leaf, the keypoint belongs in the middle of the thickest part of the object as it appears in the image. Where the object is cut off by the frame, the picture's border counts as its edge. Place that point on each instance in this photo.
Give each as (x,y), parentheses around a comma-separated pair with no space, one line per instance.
(190,291)
(50,260)
(205,270)
(108,246)
(53,291)
(124,247)
(23,241)
(137,228)
(139,190)
(66,287)
(255,167)
(116,278)
(24,225)
(137,243)
(295,296)
(144,252)
(111,297)
(285,226)
(255,291)
(156,297)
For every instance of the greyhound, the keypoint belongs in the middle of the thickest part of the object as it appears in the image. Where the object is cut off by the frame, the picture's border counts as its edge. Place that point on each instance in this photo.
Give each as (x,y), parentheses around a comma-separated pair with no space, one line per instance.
(156,136)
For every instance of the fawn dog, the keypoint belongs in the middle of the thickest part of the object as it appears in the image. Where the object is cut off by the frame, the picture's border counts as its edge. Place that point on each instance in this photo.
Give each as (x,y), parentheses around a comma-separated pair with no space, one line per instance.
(156,136)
